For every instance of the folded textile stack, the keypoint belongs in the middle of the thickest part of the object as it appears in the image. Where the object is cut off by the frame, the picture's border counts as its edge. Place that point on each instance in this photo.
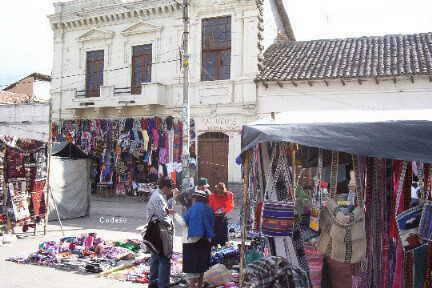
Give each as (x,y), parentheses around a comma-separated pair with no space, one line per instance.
(228,256)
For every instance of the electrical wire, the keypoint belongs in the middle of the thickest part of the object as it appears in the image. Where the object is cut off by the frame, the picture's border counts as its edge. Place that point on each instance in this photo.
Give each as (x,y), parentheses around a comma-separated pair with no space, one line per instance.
(116,69)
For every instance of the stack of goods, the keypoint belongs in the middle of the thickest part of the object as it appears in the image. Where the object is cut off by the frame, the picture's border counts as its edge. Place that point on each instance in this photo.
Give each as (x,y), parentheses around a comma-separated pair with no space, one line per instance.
(129,151)
(229,256)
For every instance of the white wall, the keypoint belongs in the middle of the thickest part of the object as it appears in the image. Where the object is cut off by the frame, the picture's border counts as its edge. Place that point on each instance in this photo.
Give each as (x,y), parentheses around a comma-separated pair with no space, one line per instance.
(41,90)
(370,96)
(27,121)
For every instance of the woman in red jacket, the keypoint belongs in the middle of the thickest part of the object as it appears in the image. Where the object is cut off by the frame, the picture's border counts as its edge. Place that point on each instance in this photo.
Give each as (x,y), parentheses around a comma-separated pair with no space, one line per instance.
(222,203)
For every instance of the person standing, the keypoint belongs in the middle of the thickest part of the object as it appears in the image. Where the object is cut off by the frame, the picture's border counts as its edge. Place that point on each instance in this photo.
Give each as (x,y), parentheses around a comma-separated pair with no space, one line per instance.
(160,209)
(204,186)
(199,220)
(222,203)
(185,198)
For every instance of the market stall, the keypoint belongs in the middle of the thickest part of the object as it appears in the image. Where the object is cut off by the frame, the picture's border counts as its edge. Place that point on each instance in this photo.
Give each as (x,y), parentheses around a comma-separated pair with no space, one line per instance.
(23,163)
(331,204)
(23,177)
(70,182)
(131,153)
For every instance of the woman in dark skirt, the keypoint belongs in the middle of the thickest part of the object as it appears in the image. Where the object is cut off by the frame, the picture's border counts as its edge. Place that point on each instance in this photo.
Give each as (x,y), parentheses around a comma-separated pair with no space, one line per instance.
(199,219)
(222,203)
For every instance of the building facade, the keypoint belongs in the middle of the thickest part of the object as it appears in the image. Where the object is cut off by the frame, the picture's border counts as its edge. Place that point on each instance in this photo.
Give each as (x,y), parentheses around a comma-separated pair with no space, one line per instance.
(379,73)
(120,59)
(32,88)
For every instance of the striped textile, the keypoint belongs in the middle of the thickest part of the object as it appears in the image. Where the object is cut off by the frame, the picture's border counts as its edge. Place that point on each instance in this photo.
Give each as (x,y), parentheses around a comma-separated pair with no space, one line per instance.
(315,261)
(425,227)
(278,219)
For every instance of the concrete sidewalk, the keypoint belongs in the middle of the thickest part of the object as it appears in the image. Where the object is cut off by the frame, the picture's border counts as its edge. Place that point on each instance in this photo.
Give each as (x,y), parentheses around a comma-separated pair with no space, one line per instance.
(110,218)
(129,215)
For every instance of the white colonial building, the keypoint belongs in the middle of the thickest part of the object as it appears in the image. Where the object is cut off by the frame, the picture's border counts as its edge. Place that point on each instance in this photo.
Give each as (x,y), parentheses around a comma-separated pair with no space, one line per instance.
(119,59)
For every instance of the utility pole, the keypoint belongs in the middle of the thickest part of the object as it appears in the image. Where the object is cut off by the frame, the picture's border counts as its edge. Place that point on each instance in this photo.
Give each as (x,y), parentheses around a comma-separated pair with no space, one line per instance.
(186,105)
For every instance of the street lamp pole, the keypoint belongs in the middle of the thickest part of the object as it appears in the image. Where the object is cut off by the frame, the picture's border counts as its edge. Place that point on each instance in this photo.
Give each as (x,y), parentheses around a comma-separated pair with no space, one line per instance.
(186,104)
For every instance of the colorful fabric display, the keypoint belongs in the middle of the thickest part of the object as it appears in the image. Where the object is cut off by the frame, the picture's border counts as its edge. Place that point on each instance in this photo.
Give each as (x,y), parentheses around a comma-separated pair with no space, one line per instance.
(425,227)
(38,198)
(315,261)
(284,247)
(274,272)
(225,256)
(408,225)
(278,219)
(128,142)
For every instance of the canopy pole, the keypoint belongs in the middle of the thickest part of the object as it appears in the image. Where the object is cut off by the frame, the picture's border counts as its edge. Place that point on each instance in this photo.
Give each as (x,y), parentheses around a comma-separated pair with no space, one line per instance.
(48,193)
(47,185)
(246,162)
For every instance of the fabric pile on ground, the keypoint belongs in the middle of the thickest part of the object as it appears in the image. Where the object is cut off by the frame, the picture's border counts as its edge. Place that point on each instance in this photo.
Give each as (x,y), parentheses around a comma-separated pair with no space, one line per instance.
(123,260)
(275,272)
(86,253)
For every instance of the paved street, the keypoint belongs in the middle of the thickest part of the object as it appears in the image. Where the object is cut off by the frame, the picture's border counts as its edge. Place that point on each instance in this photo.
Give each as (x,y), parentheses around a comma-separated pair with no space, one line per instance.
(131,213)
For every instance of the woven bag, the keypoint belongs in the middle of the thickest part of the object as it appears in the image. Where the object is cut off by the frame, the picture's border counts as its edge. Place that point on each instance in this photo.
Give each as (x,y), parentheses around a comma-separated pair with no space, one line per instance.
(408,221)
(425,227)
(282,172)
(343,235)
(278,219)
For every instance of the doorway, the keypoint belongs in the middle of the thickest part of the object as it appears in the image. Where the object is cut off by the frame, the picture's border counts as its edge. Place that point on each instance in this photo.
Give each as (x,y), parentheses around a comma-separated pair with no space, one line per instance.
(213,148)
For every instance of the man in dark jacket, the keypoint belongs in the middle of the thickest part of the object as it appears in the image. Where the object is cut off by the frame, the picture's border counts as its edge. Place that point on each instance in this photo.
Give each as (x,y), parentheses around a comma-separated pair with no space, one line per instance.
(160,210)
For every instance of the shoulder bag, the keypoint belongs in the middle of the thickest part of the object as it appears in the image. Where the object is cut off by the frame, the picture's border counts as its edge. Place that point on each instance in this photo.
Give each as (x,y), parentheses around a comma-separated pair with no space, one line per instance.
(343,235)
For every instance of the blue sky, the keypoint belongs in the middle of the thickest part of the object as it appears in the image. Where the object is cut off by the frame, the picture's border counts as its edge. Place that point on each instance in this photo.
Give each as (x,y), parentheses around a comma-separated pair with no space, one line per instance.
(26,39)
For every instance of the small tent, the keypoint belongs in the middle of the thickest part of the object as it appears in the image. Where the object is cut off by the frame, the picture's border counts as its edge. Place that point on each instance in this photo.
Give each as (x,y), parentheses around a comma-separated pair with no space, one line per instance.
(70,182)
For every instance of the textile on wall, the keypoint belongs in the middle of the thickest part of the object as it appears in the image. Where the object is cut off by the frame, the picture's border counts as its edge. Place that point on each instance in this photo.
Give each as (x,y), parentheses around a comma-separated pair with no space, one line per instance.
(23,176)
(128,151)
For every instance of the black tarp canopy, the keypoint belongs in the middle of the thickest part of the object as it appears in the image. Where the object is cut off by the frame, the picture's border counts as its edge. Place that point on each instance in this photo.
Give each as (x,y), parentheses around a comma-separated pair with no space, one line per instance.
(403,140)
(67,150)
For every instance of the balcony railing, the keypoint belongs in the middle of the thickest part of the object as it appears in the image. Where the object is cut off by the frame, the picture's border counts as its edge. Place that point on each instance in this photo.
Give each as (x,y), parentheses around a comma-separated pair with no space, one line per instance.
(110,96)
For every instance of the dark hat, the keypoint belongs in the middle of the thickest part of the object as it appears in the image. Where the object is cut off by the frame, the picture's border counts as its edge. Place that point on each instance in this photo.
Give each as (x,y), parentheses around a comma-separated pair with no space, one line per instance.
(166,182)
(203,182)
